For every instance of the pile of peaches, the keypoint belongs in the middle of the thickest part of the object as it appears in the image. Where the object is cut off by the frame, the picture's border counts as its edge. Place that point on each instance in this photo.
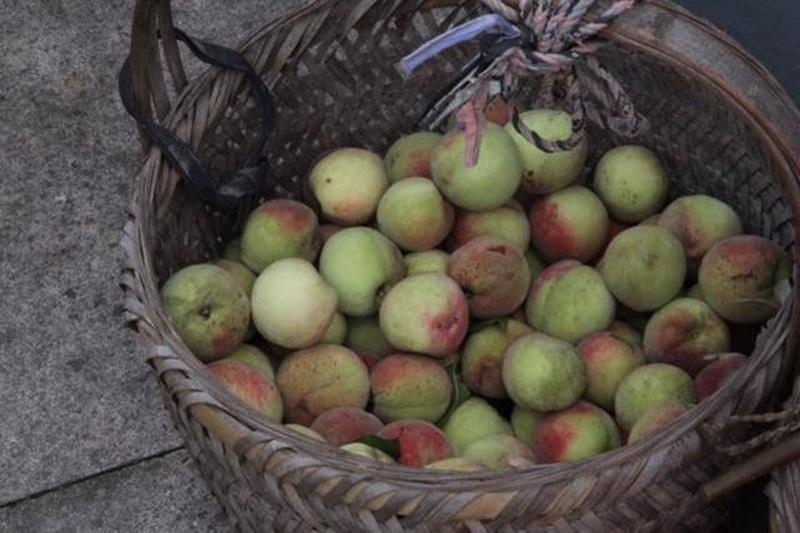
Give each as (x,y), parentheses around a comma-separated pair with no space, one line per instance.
(446,312)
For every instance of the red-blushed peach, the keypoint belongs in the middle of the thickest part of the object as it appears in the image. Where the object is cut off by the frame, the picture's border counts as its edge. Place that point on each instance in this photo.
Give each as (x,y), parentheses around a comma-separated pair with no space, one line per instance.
(569,224)
(414,215)
(626,332)
(717,373)
(683,333)
(432,261)
(426,313)
(543,373)
(742,277)
(364,450)
(473,420)
(410,156)
(644,267)
(243,275)
(648,387)
(319,379)
(488,184)
(420,443)
(250,355)
(326,231)
(292,305)
(250,385)
(360,264)
(573,434)
(631,182)
(535,265)
(524,422)
(483,354)
(699,222)
(569,301)
(507,222)
(500,452)
(208,309)
(344,425)
(494,273)
(457,464)
(364,335)
(655,419)
(498,111)
(233,251)
(406,387)
(279,229)
(348,184)
(608,360)
(303,430)
(544,172)
(336,332)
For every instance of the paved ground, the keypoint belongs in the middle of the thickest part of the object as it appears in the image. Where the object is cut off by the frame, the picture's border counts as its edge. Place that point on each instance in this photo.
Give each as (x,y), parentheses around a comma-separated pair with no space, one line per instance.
(85,444)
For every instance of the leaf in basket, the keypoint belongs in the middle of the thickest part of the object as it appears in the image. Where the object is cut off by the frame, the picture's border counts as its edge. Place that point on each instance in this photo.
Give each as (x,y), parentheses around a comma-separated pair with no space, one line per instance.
(460,392)
(389,447)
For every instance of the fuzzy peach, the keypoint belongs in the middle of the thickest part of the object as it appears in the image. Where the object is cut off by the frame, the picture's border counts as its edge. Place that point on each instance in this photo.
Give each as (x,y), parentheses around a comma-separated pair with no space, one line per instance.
(472,421)
(499,452)
(410,156)
(414,215)
(426,313)
(569,224)
(507,222)
(683,333)
(656,419)
(608,360)
(494,273)
(410,387)
(569,301)
(348,184)
(432,261)
(632,183)
(344,425)
(648,387)
(483,354)
(319,379)
(250,385)
(742,277)
(420,443)
(714,376)
(573,434)
(644,267)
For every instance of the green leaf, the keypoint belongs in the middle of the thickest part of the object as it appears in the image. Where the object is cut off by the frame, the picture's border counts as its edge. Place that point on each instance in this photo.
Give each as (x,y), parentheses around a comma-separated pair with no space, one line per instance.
(390,447)
(460,393)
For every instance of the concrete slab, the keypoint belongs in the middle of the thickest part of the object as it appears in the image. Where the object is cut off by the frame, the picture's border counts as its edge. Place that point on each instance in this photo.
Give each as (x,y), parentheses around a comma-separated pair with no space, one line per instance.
(163,494)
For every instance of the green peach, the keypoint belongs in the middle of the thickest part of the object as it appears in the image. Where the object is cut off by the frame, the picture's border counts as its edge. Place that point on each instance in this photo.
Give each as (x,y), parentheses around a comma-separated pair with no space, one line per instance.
(490,183)
(655,419)
(483,354)
(364,335)
(336,332)
(544,172)
(364,450)
(499,452)
(626,332)
(569,301)
(432,261)
(644,267)
(457,464)
(208,309)
(535,265)
(233,252)
(360,264)
(524,421)
(631,182)
(303,430)
(648,387)
(608,360)
(410,156)
(410,387)
(292,305)
(696,292)
(413,214)
(250,355)
(542,373)
(472,421)
(243,275)
(507,222)
(348,184)
(250,385)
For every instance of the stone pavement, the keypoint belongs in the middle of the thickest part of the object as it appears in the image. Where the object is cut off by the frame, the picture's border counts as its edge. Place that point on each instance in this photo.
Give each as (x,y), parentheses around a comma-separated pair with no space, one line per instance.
(84,442)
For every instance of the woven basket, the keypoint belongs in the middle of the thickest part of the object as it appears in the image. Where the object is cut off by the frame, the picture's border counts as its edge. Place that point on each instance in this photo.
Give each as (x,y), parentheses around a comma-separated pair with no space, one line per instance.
(783,489)
(721,124)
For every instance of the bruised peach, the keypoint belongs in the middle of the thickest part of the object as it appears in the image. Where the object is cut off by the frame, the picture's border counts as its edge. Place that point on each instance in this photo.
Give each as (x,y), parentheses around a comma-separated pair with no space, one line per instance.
(279,229)
(507,222)
(655,419)
(494,273)
(250,385)
(648,387)
(683,332)
(569,224)
(719,371)
(472,421)
(632,183)
(432,261)
(414,215)
(457,464)
(348,184)
(410,387)
(524,421)
(608,360)
(499,452)
(569,301)
(420,443)
(344,425)
(410,156)
(319,379)
(742,278)
(426,313)
(578,432)
(699,222)
(483,354)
